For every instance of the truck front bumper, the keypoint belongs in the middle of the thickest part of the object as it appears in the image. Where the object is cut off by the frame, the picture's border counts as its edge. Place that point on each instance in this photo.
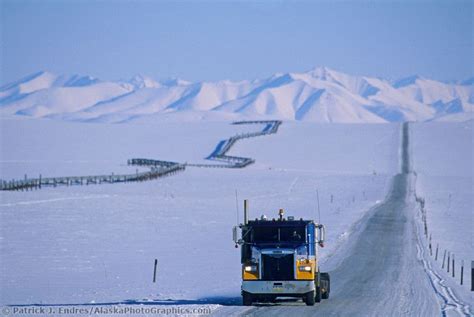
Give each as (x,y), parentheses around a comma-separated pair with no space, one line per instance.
(278,287)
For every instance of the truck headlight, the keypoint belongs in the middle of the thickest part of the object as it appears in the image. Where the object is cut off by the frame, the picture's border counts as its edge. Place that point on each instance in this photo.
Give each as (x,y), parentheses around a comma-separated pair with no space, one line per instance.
(305,268)
(250,268)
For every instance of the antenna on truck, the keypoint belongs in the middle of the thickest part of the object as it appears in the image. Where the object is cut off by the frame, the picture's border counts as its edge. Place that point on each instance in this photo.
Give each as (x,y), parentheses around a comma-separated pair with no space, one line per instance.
(319,210)
(237,207)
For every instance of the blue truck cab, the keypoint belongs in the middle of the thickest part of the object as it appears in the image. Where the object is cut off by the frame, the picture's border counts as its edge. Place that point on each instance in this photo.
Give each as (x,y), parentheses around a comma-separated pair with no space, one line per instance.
(279,258)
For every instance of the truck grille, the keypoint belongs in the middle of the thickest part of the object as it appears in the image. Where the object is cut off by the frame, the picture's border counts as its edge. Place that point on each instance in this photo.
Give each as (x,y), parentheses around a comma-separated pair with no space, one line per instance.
(278,268)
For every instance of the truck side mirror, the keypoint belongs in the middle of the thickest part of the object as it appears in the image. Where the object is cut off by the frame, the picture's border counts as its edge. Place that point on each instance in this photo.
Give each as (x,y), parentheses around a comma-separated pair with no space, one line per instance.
(321,235)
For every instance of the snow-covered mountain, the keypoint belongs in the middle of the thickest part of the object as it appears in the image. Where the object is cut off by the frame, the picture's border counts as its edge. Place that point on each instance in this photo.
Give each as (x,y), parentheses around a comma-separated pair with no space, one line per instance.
(319,95)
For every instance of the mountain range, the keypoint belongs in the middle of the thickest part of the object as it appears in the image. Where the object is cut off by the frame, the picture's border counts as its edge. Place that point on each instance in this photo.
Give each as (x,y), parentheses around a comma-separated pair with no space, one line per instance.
(319,95)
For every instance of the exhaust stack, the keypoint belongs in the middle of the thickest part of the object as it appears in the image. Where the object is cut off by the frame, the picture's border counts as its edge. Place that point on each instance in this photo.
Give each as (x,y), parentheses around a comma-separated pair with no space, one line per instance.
(246,212)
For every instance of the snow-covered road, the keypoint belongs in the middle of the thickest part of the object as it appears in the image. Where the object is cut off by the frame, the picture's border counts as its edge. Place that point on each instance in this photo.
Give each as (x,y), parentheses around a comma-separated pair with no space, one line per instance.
(383,273)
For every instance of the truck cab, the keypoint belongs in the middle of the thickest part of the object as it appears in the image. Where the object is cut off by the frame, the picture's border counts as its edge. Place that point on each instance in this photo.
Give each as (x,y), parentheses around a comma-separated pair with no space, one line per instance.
(279,258)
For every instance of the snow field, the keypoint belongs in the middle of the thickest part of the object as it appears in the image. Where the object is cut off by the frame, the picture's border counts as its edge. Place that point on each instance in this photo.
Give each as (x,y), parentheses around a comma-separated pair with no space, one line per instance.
(96,244)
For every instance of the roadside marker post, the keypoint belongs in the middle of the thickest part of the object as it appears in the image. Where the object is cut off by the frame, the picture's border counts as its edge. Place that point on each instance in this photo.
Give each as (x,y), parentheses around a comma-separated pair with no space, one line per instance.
(449,260)
(472,276)
(154,271)
(453,266)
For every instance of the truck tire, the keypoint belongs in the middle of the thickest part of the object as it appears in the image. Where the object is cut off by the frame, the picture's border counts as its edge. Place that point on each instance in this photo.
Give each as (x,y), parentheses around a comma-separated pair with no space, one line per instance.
(317,298)
(247,299)
(326,285)
(309,298)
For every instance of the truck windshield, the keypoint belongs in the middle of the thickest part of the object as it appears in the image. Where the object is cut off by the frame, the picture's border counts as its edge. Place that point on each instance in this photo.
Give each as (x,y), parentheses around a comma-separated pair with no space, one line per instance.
(278,234)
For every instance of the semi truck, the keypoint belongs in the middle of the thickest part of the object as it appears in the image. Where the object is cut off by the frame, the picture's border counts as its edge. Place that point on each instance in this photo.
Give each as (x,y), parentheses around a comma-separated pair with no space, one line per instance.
(279,258)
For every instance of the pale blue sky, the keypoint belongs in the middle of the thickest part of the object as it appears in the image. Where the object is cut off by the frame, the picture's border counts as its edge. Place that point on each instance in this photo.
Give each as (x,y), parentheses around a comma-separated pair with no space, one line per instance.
(211,40)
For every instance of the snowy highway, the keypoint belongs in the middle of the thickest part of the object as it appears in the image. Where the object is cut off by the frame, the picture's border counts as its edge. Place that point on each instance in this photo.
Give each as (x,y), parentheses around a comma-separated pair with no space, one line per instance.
(383,272)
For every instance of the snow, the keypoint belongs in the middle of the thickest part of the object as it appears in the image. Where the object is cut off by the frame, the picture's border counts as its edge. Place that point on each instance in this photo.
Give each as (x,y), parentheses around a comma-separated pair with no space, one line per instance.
(318,95)
(96,244)
(443,160)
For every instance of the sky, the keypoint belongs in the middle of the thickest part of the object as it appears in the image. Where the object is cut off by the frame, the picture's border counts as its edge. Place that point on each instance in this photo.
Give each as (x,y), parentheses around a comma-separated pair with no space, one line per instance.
(216,40)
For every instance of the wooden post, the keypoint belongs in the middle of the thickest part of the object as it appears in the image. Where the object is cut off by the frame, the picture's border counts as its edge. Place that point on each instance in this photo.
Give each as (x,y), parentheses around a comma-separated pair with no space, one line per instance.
(444,258)
(453,266)
(462,271)
(154,271)
(449,257)
(431,250)
(472,276)
(436,254)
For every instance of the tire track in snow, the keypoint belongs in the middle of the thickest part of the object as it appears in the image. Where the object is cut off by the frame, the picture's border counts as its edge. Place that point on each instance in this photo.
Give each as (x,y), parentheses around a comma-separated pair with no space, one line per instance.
(292,185)
(44,201)
(449,299)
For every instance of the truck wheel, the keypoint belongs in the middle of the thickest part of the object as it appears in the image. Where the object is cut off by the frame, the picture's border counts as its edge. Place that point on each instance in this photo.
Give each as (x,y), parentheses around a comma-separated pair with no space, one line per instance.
(247,299)
(317,298)
(326,285)
(309,298)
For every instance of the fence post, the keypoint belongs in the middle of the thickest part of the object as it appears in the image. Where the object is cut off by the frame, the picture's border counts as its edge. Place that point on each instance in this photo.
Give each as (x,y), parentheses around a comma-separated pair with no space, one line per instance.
(453,266)
(431,250)
(472,276)
(462,271)
(449,259)
(436,254)
(154,271)
(444,258)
